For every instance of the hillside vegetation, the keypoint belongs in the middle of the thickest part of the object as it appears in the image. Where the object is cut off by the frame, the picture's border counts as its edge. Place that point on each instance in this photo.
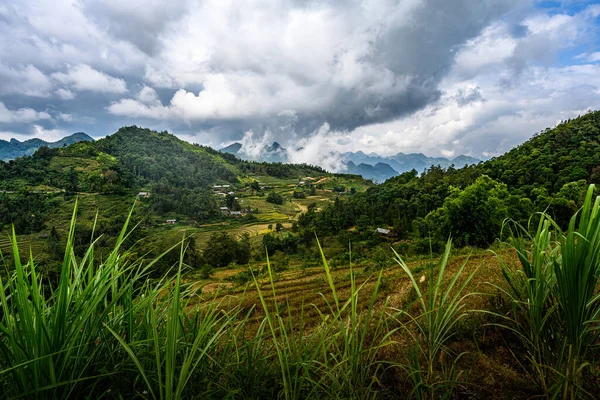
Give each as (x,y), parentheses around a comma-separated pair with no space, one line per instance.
(549,172)
(178,181)
(419,330)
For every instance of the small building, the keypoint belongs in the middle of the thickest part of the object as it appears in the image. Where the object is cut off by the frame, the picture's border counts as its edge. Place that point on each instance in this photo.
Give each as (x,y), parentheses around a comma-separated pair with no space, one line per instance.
(224,210)
(226,186)
(384,232)
(217,187)
(143,194)
(235,214)
(231,193)
(171,221)
(301,183)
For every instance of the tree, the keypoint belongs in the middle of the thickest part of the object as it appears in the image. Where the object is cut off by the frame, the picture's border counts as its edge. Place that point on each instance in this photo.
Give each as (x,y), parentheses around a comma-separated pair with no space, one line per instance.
(222,249)
(278,227)
(472,216)
(274,198)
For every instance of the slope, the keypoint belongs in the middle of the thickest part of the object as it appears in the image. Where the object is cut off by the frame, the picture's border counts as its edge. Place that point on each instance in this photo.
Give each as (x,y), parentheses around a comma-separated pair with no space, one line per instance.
(552,169)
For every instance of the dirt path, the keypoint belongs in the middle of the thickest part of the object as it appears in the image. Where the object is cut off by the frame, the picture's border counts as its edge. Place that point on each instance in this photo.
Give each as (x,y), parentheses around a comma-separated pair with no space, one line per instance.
(301,207)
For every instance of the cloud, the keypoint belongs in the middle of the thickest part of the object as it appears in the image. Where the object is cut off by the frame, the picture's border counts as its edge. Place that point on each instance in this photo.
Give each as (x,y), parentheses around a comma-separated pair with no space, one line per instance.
(428,76)
(65,94)
(28,81)
(83,77)
(346,66)
(21,115)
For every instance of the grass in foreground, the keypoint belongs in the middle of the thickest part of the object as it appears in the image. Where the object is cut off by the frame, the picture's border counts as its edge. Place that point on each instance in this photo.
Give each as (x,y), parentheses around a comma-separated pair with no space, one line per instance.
(107,331)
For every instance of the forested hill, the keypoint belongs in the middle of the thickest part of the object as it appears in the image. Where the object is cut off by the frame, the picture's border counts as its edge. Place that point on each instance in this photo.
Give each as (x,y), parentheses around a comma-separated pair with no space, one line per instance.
(133,158)
(179,175)
(552,169)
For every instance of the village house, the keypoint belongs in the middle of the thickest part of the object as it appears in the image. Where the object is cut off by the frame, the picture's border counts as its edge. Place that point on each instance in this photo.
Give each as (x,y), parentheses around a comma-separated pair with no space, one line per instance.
(171,221)
(224,210)
(384,232)
(235,214)
(143,194)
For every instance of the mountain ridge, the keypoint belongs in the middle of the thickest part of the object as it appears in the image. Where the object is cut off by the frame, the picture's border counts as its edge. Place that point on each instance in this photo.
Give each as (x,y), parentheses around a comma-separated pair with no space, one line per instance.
(370,166)
(13,148)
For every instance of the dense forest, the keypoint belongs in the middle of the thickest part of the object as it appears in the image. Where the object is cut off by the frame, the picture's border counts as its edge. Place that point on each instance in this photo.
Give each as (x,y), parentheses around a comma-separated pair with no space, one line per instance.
(551,171)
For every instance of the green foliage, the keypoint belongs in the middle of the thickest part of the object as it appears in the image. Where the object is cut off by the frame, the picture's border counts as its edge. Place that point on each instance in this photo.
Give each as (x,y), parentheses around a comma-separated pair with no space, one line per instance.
(531,177)
(441,306)
(556,307)
(472,216)
(222,249)
(274,198)
(273,243)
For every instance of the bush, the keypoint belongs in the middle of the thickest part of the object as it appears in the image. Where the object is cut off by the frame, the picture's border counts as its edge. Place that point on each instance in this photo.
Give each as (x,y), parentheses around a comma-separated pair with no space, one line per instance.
(274,198)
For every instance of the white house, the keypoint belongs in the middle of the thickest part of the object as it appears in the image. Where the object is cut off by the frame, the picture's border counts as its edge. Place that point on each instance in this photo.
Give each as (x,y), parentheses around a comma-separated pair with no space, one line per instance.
(382,231)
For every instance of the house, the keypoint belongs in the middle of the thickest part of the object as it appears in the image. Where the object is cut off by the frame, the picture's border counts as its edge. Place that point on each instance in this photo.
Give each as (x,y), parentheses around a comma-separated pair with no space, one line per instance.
(235,214)
(143,194)
(231,193)
(224,210)
(226,186)
(171,221)
(384,232)
(217,187)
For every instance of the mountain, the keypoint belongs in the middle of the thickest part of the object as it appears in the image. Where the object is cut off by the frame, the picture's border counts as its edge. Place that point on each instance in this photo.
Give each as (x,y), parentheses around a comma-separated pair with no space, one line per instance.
(273,153)
(406,162)
(9,150)
(134,159)
(360,163)
(379,172)
(233,148)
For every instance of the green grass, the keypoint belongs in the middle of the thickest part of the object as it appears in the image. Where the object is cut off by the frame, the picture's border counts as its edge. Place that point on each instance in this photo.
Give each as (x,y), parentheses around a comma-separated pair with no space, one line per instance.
(104,329)
(556,304)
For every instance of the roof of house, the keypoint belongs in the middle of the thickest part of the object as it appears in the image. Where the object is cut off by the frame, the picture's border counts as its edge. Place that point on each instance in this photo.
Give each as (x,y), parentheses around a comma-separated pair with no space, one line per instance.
(236,213)
(383,231)
(223,208)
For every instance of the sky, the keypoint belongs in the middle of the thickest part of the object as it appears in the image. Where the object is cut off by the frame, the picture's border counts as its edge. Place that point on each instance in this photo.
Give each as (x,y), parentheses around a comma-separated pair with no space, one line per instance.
(440,77)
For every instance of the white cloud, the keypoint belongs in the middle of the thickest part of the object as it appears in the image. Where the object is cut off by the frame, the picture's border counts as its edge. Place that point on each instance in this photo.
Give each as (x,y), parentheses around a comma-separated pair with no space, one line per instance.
(21,115)
(83,77)
(28,81)
(49,135)
(65,94)
(147,95)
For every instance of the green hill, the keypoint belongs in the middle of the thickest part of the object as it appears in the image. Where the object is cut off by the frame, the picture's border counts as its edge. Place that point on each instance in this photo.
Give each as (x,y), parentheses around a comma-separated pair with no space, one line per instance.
(551,170)
(179,181)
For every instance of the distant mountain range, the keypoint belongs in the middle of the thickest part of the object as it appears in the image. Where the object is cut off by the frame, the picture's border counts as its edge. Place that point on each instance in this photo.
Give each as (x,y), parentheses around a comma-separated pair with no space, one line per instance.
(370,166)
(272,153)
(9,150)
